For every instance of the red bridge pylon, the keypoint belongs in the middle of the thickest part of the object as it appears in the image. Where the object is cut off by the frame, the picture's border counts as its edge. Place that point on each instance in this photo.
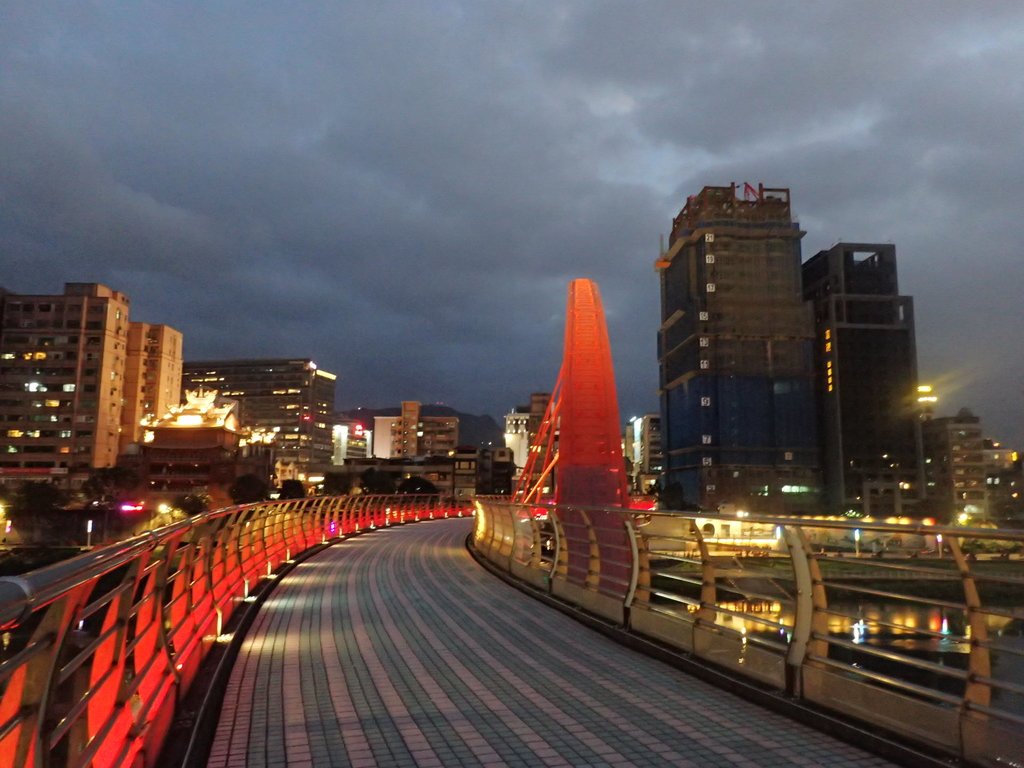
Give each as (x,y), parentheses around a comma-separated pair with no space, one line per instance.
(578,447)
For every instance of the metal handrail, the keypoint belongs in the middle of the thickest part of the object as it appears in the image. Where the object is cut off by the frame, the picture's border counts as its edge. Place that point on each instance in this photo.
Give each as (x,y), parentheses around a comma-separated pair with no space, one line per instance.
(96,650)
(794,617)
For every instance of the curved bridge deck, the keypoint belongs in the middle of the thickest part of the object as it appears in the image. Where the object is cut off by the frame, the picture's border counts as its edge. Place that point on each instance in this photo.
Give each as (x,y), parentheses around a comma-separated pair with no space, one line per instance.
(394,648)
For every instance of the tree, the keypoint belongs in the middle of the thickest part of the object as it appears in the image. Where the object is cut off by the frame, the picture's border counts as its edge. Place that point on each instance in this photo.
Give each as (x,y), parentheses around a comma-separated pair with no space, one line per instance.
(37,510)
(190,503)
(292,489)
(110,483)
(248,489)
(36,498)
(375,481)
(417,485)
(671,496)
(336,484)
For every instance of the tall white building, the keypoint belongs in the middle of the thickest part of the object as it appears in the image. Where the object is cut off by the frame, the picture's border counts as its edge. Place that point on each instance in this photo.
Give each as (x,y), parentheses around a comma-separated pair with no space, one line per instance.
(521,425)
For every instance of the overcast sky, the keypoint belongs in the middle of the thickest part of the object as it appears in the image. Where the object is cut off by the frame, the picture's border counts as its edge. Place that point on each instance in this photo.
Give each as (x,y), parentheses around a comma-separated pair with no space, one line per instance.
(402,190)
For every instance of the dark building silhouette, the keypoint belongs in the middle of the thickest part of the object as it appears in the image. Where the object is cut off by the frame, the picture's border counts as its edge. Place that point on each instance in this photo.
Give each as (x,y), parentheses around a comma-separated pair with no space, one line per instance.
(735,355)
(866,362)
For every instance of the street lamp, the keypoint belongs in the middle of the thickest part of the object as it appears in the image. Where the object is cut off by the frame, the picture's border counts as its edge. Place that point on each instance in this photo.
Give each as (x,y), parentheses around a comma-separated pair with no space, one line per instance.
(88,534)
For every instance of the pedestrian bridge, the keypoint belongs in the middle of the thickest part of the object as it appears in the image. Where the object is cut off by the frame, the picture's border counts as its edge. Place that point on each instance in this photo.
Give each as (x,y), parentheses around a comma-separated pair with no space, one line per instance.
(396,647)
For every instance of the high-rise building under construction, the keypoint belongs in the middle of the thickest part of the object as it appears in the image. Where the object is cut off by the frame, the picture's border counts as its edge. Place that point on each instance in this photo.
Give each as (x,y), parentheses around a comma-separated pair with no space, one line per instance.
(735,355)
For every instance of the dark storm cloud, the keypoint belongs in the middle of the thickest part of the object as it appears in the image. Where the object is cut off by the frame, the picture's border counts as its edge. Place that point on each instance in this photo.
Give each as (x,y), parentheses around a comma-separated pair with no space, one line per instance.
(403,190)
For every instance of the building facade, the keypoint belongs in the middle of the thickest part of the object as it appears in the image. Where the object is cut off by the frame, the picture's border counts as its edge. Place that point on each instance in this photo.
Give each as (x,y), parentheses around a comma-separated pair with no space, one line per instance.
(152,377)
(1004,482)
(352,440)
(643,447)
(413,434)
(867,389)
(70,387)
(196,448)
(495,471)
(522,424)
(290,396)
(735,355)
(955,467)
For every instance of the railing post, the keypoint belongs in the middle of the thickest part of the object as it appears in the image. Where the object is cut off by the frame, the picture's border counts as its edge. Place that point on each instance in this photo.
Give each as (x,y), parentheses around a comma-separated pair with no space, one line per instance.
(634,552)
(708,592)
(810,604)
(979,663)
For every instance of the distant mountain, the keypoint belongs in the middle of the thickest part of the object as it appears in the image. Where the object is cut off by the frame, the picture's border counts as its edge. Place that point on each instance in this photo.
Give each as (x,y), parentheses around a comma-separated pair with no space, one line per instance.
(473,430)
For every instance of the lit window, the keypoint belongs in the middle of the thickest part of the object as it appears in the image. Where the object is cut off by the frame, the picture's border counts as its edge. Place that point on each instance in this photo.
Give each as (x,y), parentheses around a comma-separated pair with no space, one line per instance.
(828,346)
(704,341)
(705,315)
(706,461)
(828,334)
(15,433)
(711,287)
(709,258)
(705,364)
(705,402)
(709,237)
(705,439)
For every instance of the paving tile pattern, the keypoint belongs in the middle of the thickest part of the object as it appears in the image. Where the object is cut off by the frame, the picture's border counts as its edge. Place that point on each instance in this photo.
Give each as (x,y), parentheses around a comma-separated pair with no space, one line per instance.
(395,649)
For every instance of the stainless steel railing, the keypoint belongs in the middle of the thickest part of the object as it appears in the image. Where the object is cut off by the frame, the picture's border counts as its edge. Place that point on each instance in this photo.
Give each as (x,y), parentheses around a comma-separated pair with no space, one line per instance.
(95,651)
(916,629)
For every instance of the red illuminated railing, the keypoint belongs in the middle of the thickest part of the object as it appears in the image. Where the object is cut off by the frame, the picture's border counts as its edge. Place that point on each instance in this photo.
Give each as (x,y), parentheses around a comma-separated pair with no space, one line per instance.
(914,629)
(96,651)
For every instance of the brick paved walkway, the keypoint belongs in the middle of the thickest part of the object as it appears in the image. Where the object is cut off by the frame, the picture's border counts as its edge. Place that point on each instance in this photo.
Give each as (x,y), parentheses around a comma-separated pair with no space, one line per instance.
(395,649)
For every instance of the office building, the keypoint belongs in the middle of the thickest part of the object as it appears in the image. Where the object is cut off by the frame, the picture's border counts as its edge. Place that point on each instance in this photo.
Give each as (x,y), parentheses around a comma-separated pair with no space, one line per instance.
(413,434)
(62,382)
(643,448)
(290,396)
(522,424)
(866,361)
(351,440)
(735,358)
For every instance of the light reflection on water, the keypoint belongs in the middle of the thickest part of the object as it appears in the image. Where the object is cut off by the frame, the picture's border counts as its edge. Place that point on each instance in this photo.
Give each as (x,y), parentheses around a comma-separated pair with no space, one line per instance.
(933,633)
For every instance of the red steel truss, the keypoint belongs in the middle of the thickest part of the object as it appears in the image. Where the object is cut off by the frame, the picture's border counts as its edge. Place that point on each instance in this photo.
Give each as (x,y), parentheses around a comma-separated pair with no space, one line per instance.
(580,431)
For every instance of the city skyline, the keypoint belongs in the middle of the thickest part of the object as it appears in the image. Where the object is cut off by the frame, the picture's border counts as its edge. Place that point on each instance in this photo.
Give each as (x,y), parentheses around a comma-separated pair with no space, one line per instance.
(404,195)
